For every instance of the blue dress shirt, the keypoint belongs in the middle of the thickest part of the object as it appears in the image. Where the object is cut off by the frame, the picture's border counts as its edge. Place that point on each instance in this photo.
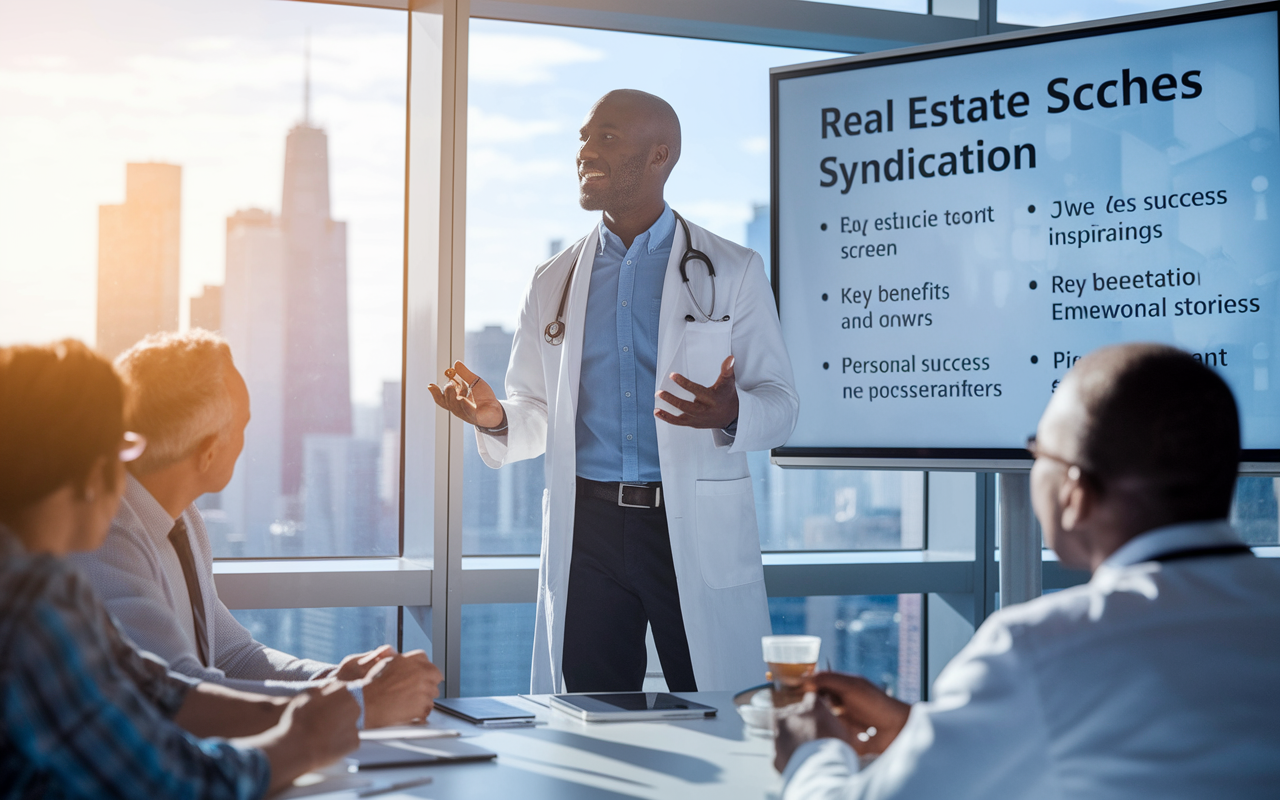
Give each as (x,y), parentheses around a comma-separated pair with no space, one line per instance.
(617,434)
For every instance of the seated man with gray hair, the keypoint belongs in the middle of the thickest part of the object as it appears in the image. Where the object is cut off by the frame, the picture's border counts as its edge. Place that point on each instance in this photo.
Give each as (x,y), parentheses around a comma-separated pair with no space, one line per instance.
(155,570)
(1155,679)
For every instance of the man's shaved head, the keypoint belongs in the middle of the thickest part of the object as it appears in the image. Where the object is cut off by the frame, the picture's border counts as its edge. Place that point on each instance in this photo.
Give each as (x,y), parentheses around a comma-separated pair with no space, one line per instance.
(655,119)
(630,143)
(1154,423)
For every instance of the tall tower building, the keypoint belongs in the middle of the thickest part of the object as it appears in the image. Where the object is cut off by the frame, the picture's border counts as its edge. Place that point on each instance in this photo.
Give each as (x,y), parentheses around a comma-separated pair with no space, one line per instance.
(138,258)
(317,375)
(253,302)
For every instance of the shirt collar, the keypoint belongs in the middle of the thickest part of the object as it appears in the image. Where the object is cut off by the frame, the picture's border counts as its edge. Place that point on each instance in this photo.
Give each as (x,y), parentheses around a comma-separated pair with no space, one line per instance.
(155,520)
(657,233)
(1171,538)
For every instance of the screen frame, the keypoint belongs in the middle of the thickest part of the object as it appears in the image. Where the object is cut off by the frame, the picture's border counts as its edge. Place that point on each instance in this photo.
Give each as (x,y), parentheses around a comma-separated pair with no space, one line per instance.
(1014,459)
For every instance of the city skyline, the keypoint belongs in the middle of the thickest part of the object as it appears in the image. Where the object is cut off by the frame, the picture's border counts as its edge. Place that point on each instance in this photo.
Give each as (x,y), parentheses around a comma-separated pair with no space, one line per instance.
(86,93)
(138,258)
(304,485)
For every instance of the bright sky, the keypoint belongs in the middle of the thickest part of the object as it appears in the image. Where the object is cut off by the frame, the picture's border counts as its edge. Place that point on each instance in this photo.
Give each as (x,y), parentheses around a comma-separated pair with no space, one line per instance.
(87,86)
(1060,12)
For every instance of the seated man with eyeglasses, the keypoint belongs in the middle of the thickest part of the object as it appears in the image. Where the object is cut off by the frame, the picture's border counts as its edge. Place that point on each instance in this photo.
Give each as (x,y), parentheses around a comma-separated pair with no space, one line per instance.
(1157,678)
(154,572)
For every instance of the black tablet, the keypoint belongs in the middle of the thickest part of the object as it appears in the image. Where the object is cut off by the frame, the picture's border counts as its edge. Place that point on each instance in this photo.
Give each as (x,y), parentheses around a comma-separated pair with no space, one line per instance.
(630,706)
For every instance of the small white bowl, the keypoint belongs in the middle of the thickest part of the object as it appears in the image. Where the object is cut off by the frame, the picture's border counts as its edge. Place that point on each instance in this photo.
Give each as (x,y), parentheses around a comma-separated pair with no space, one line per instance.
(756,709)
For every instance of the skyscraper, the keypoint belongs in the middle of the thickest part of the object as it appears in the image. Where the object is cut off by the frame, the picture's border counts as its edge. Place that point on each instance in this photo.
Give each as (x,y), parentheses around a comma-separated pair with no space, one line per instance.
(206,309)
(317,381)
(253,325)
(501,509)
(138,258)
(304,484)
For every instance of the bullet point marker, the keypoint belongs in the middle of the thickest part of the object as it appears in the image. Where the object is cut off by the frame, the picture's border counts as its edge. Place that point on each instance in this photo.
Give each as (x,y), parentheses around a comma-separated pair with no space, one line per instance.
(826,365)
(1031,209)
(824,226)
(1032,284)
(824,296)
(1035,360)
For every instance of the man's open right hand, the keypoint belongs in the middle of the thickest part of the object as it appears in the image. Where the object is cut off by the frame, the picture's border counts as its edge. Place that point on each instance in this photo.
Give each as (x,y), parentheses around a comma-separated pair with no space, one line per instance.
(466,396)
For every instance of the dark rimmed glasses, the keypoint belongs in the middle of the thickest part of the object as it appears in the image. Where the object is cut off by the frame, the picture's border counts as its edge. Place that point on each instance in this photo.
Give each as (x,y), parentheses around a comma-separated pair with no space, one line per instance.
(1074,470)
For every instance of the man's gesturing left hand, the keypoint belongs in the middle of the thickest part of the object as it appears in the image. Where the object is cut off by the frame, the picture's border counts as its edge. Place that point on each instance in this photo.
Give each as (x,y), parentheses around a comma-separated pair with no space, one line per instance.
(714,406)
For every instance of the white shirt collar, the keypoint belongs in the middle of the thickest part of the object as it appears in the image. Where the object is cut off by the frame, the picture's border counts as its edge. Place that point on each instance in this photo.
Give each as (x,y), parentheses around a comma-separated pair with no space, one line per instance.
(155,520)
(1171,538)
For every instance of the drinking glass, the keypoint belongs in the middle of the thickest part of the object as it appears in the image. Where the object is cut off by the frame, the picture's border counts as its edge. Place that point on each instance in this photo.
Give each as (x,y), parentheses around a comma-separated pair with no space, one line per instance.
(791,659)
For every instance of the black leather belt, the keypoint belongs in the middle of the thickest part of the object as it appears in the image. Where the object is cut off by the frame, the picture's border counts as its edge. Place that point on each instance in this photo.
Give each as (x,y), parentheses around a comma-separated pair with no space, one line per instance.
(627,495)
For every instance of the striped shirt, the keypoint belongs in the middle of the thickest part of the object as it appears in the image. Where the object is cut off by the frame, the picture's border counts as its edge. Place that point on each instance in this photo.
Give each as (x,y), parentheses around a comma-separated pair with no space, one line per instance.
(84,713)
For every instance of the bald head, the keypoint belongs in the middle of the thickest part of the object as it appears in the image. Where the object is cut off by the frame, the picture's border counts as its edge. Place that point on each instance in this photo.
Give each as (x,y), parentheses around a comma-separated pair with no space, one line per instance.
(651,118)
(630,143)
(1151,422)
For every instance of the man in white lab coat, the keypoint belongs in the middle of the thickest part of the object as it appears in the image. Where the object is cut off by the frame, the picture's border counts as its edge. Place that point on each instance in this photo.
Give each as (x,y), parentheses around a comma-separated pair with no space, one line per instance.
(646,391)
(1156,679)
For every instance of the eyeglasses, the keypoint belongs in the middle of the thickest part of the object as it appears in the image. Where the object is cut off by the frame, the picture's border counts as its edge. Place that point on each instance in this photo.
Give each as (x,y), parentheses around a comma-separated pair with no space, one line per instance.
(1074,470)
(132,446)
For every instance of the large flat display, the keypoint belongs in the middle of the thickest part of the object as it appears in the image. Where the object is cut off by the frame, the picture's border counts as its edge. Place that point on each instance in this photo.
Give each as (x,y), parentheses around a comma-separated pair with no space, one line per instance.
(954,227)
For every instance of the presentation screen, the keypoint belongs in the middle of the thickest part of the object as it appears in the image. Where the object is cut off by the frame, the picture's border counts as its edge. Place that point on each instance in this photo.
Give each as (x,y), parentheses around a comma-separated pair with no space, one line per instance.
(954,227)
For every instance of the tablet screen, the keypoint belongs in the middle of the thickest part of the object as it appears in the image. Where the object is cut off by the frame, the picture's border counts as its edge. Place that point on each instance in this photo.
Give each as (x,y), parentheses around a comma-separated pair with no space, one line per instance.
(633,701)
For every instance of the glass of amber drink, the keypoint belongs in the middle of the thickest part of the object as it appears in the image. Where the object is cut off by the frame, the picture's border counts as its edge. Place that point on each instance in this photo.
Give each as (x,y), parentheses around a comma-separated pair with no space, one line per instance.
(791,660)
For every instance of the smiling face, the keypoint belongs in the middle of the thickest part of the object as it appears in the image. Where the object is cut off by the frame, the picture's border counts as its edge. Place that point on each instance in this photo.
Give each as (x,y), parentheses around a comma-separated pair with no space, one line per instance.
(627,149)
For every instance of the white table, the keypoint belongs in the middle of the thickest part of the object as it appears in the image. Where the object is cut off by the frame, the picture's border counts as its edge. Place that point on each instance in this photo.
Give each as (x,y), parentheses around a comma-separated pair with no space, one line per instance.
(567,759)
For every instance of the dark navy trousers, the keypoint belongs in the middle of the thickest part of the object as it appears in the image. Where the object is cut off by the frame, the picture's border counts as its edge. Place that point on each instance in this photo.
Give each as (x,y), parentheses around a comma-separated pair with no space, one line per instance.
(621,577)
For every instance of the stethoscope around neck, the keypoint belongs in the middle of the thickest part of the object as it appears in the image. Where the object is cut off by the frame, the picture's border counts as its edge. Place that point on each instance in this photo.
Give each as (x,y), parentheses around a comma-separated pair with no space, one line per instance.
(554,332)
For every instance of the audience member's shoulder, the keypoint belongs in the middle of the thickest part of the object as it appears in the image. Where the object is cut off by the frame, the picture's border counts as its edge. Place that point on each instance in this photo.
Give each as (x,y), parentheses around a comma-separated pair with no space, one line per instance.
(124,544)
(32,581)
(1053,618)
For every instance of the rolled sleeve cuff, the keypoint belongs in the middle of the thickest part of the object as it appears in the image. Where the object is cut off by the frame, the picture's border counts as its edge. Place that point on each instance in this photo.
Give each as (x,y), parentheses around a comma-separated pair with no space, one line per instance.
(171,692)
(724,437)
(819,769)
(253,777)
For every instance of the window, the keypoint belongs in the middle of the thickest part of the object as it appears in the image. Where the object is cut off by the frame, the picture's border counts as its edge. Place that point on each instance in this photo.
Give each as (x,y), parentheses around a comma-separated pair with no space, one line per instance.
(202,99)
(877,637)
(1255,513)
(497,648)
(1060,12)
(188,164)
(964,9)
(322,634)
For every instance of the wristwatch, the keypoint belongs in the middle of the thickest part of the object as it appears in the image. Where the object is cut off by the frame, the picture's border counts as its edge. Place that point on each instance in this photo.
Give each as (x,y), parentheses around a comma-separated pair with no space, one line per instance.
(502,426)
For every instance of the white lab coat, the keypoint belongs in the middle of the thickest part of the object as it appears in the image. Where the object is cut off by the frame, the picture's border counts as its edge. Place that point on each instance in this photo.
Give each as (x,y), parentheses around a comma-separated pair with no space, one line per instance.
(706,493)
(1153,680)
